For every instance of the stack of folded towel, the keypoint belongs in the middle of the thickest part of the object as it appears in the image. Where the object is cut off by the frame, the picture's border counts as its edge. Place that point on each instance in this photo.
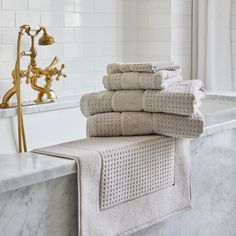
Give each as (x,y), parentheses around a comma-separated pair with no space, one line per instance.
(142,99)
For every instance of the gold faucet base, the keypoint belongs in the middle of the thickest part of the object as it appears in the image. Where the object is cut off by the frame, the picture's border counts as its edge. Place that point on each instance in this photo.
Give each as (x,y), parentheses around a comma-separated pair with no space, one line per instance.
(37,101)
(4,105)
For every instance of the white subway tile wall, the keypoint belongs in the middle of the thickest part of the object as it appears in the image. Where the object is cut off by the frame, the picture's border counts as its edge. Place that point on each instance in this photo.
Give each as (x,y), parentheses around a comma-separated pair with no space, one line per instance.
(88,34)
(92,33)
(164,32)
(233,41)
(153,30)
(181,35)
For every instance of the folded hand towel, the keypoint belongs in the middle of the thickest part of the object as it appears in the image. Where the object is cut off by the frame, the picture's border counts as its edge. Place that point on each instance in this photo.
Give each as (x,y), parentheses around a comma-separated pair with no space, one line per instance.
(150,67)
(137,173)
(143,123)
(136,80)
(182,98)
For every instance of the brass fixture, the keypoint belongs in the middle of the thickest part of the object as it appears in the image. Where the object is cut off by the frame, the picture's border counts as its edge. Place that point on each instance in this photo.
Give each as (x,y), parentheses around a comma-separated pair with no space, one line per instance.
(46,39)
(32,75)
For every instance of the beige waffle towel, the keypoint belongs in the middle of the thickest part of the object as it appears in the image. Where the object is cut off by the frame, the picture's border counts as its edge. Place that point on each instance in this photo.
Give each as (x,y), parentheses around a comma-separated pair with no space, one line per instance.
(126,184)
(150,67)
(136,80)
(144,123)
(182,98)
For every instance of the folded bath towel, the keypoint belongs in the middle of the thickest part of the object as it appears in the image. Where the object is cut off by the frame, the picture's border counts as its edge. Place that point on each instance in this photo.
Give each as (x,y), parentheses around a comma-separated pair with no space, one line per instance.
(150,67)
(136,80)
(144,123)
(126,184)
(183,98)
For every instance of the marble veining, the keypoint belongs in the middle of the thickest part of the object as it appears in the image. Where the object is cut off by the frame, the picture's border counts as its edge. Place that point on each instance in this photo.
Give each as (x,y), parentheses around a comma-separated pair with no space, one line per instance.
(42,209)
(213,173)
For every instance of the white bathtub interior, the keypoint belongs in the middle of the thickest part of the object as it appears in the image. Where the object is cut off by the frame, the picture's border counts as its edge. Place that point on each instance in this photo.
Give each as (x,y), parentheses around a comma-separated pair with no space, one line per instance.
(212,106)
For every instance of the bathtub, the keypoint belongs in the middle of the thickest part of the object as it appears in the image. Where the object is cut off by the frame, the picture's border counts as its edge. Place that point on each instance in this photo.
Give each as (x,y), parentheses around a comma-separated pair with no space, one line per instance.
(213,175)
(210,106)
(219,111)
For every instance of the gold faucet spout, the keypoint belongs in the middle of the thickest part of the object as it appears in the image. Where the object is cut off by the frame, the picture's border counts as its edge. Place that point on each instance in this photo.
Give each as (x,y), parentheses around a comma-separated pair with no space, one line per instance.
(7,96)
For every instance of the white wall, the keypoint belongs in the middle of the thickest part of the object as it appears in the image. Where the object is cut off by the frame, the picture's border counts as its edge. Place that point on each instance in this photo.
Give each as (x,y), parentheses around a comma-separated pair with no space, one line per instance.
(181,35)
(153,30)
(164,32)
(91,33)
(88,34)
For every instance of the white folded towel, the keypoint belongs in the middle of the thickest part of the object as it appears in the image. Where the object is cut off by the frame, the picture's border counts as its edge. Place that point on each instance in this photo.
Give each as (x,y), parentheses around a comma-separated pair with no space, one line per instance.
(150,67)
(145,80)
(144,123)
(183,98)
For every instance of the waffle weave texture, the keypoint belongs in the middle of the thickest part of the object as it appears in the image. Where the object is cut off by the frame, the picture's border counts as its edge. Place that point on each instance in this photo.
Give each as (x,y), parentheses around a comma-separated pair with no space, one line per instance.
(145,123)
(132,169)
(182,98)
(150,67)
(136,80)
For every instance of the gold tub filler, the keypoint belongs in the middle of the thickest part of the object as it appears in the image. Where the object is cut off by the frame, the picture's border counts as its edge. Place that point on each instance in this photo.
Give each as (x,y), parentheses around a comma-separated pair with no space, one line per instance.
(32,74)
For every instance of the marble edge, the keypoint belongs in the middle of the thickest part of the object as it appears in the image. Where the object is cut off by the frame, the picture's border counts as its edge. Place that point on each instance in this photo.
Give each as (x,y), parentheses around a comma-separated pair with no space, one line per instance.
(60,103)
(222,96)
(43,174)
(219,127)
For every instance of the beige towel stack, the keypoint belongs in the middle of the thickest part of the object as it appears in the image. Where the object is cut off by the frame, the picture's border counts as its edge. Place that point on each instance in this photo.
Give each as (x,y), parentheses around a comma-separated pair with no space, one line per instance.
(141,76)
(142,99)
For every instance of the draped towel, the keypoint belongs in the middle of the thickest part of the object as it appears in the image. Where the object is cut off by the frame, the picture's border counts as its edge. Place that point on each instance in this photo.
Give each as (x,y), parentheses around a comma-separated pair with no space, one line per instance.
(153,169)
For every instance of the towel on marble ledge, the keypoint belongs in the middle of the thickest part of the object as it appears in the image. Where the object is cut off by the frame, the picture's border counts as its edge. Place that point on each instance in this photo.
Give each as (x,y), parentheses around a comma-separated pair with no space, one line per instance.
(126,184)
(183,98)
(150,67)
(145,123)
(136,80)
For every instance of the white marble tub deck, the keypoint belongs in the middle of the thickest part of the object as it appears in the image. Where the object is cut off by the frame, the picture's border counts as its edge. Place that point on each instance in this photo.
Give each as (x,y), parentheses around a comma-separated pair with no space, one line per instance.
(220,112)
(19,170)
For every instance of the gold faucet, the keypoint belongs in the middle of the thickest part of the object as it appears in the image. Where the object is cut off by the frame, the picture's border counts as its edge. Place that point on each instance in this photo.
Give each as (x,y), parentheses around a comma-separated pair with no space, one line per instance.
(35,73)
(32,75)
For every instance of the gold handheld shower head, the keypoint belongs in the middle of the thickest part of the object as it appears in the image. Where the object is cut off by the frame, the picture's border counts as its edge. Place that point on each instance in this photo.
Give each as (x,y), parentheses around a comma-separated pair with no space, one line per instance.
(46,39)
